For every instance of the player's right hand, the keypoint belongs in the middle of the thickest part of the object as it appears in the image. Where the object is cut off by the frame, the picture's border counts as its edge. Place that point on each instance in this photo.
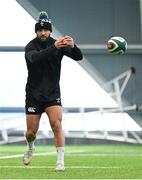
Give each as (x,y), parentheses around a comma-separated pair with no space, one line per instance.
(59,43)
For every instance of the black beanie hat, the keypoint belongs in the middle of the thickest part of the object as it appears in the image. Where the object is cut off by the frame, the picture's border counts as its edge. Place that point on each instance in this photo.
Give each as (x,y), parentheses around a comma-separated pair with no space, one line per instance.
(43,22)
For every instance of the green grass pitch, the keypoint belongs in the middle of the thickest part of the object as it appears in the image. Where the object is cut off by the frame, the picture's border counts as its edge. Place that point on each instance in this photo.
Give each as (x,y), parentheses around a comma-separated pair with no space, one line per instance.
(81,162)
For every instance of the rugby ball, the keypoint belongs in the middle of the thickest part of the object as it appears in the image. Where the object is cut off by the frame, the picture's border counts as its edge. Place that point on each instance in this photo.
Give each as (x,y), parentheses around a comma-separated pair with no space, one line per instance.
(117,45)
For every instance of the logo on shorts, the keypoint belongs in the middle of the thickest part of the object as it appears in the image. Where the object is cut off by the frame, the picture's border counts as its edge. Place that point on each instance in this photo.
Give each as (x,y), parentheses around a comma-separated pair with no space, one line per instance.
(58,100)
(31,109)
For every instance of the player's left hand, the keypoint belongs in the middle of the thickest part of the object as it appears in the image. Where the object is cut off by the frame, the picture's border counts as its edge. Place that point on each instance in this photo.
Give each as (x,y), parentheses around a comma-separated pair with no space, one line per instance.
(68,40)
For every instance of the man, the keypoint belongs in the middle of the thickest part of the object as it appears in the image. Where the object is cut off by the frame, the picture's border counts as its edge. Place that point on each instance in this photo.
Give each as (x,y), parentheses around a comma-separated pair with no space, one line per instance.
(43,57)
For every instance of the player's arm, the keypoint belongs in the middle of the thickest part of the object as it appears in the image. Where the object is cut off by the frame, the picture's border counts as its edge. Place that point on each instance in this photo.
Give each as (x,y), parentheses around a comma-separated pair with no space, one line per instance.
(33,55)
(71,50)
(73,53)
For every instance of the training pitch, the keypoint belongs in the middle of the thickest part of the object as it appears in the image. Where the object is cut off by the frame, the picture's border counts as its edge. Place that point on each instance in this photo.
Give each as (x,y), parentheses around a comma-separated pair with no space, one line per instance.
(81,162)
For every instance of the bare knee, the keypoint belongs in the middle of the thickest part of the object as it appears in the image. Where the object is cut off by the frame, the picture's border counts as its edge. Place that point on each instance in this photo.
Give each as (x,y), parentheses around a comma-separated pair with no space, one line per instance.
(56,125)
(30,135)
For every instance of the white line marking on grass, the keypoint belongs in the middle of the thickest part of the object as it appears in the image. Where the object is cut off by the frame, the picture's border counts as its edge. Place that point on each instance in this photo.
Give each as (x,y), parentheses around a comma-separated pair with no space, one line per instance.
(39,154)
(67,167)
(70,179)
(105,155)
(21,155)
(68,153)
(11,156)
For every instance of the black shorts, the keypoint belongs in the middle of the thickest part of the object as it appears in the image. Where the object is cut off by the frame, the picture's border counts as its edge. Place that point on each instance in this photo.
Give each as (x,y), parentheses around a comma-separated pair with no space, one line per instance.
(34,106)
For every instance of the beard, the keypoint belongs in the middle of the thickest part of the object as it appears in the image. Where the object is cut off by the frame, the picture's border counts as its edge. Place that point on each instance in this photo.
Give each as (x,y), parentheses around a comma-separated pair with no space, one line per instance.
(43,38)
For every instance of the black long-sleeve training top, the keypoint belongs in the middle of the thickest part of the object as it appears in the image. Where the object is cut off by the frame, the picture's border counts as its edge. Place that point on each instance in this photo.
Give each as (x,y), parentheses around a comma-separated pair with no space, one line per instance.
(43,61)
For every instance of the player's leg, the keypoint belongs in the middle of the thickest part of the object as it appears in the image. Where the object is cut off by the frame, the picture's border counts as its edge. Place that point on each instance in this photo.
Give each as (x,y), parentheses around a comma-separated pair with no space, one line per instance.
(55,118)
(32,128)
